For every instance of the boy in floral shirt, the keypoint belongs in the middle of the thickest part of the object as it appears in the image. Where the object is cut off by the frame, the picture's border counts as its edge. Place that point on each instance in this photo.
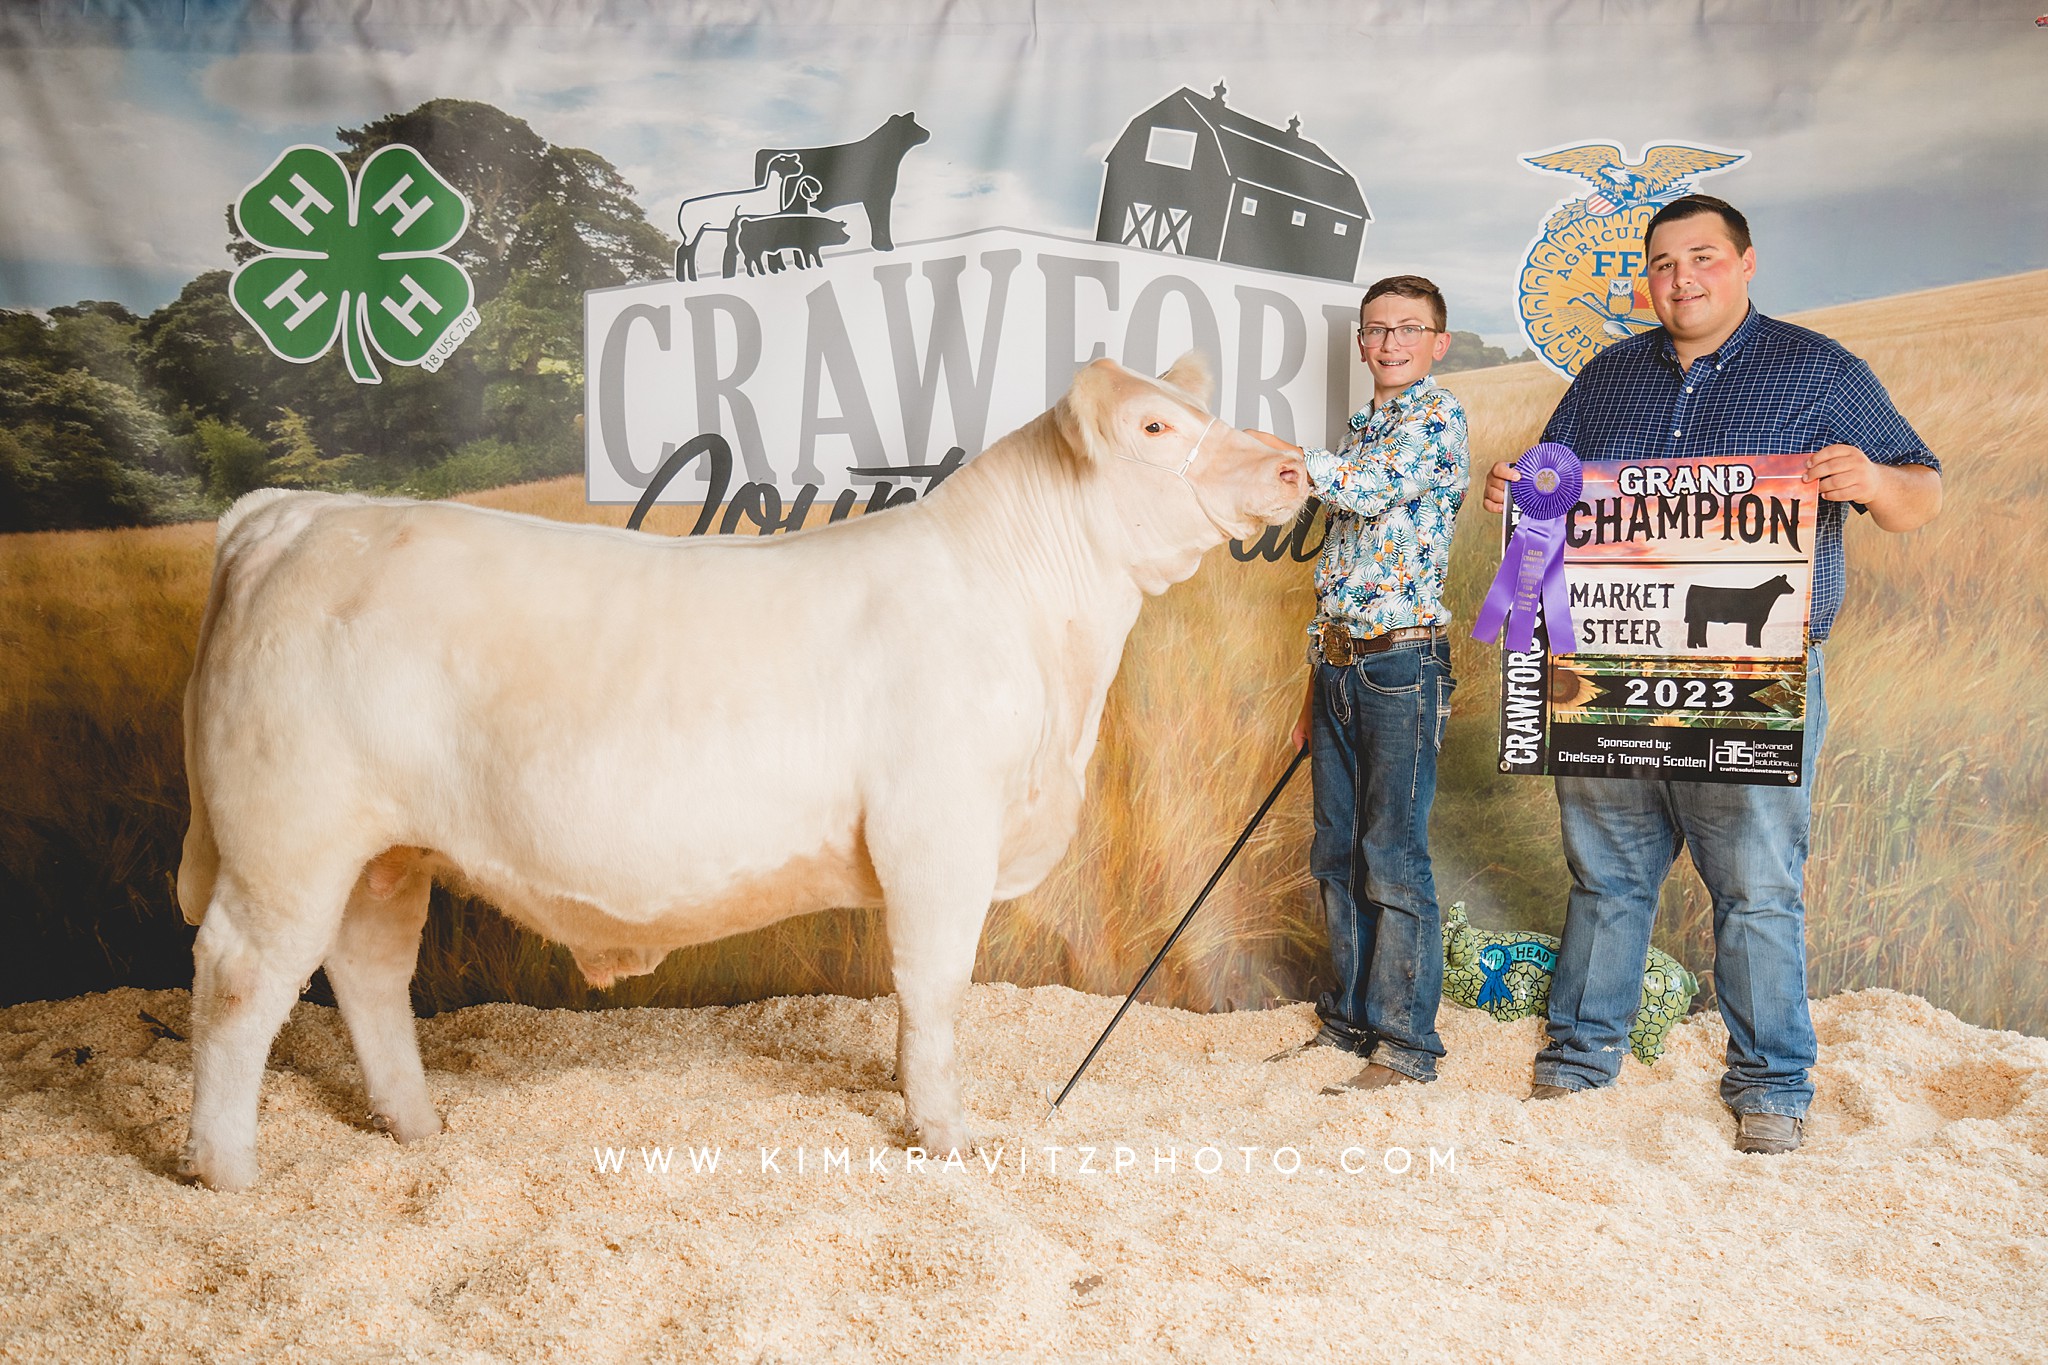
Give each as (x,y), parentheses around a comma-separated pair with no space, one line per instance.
(1380,688)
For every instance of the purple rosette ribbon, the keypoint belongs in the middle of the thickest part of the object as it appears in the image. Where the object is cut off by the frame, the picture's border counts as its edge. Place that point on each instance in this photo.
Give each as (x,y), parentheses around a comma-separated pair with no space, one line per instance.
(1532,570)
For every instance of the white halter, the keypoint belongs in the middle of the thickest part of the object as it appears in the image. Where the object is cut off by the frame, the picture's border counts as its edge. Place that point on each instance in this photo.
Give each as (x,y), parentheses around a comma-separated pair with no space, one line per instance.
(1196,450)
(1182,474)
(1185,465)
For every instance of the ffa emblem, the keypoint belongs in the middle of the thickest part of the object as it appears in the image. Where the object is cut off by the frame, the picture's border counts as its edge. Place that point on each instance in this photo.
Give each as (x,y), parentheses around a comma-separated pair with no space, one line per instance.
(1583,285)
(355,258)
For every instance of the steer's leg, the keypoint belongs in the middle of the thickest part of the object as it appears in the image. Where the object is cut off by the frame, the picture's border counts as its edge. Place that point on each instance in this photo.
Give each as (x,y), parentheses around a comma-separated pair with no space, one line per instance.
(370,967)
(253,955)
(937,879)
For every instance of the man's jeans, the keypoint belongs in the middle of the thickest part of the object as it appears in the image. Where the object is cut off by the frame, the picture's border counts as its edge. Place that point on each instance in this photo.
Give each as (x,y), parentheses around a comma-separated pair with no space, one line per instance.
(1377,727)
(1749,844)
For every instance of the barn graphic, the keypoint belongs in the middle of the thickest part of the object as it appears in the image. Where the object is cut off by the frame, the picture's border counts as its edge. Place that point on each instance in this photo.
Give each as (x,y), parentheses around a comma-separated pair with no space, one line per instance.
(1192,177)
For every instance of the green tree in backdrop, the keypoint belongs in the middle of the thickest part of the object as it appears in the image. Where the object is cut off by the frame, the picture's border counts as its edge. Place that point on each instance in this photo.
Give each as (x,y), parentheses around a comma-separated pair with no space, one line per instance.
(109,419)
(1469,351)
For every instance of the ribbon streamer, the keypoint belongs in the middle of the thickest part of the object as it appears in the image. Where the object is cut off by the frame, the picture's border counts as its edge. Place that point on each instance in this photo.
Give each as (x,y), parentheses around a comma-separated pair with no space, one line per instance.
(1532,570)
(1494,961)
(1493,965)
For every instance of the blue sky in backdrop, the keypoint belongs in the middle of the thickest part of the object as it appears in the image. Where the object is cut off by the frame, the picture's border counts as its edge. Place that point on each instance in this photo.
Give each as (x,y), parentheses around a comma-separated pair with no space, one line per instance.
(1894,146)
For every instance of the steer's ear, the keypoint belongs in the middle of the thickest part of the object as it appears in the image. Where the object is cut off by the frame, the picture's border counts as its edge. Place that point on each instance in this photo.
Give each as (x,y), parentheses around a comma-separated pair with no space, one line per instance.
(1190,374)
(1086,416)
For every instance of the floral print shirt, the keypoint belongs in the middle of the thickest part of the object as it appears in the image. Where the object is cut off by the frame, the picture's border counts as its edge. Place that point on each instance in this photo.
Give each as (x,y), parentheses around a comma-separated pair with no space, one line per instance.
(1392,490)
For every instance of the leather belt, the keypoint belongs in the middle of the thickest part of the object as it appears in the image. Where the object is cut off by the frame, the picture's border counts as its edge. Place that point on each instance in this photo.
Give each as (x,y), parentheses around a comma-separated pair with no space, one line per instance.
(1340,648)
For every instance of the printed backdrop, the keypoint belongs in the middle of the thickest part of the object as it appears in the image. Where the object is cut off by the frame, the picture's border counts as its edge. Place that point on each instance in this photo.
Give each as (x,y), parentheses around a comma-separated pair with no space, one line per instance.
(742,269)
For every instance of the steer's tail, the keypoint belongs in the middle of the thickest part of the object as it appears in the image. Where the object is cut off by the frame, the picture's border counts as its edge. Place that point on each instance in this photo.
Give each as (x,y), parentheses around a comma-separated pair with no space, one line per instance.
(201,861)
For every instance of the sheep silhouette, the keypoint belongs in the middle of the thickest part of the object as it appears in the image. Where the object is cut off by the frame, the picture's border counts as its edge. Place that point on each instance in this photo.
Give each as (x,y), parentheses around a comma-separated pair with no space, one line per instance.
(709,213)
(1750,606)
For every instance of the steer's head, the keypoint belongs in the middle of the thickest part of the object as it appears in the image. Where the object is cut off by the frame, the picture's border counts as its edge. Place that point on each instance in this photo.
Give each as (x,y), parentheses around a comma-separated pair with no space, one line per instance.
(1185,480)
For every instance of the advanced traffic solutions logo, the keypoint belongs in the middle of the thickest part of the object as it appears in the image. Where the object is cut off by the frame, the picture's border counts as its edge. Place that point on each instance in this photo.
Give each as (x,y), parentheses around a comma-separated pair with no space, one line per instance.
(1584,285)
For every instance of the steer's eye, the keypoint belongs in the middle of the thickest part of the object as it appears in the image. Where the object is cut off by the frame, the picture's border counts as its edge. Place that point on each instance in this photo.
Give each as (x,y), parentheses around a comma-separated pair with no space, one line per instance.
(1154,428)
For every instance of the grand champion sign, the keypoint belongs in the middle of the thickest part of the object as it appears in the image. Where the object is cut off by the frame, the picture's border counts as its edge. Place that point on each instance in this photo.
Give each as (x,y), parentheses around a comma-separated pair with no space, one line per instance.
(1690,586)
(856,381)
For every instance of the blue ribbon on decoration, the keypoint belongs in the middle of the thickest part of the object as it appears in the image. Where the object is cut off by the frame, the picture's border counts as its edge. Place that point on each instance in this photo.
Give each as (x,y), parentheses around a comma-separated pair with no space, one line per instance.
(1532,570)
(1494,961)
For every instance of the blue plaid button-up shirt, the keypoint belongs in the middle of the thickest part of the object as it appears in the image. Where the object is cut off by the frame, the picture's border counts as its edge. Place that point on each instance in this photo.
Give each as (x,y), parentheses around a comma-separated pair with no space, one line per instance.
(1771,389)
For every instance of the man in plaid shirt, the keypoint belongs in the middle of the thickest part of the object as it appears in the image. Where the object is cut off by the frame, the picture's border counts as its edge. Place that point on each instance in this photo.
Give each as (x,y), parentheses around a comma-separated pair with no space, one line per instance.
(1718,378)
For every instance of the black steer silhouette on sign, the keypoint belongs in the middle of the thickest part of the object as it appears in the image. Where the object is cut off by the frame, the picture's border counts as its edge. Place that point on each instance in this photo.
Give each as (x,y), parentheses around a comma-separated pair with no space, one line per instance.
(862,172)
(1750,606)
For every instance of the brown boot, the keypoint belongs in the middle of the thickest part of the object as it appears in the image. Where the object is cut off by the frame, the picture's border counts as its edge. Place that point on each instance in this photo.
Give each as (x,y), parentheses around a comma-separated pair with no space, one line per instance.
(1767,1134)
(1371,1076)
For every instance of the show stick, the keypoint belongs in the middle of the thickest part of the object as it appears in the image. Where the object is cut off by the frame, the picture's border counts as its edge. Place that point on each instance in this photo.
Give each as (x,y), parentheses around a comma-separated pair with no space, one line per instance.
(1185,920)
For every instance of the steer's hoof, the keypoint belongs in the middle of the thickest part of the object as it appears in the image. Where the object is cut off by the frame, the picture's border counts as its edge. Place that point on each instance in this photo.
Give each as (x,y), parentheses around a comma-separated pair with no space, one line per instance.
(215,1170)
(407,1128)
(941,1140)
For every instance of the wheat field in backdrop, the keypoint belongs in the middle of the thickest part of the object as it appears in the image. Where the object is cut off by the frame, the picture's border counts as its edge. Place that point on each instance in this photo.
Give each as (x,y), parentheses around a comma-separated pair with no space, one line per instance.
(1930,844)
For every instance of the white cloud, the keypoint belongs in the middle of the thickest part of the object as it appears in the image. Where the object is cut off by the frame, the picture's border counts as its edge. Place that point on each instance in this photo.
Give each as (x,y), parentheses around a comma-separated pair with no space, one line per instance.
(674,124)
(342,80)
(91,176)
(945,200)
(1882,119)
(1431,118)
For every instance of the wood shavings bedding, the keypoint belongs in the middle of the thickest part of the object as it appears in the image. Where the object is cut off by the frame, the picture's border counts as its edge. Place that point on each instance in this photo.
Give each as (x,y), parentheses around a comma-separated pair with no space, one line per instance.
(1196,1202)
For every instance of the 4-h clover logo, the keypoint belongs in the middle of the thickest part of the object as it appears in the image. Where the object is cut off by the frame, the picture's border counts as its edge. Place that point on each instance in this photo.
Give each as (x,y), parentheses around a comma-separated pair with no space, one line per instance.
(360,259)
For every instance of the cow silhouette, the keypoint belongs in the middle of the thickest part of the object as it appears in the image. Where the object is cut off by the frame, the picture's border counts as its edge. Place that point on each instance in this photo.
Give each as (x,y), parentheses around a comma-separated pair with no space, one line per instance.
(862,172)
(1750,606)
(762,241)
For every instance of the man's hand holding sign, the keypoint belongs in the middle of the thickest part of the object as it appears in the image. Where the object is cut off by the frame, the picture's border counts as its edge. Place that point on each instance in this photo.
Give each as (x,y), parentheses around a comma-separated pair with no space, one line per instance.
(1898,497)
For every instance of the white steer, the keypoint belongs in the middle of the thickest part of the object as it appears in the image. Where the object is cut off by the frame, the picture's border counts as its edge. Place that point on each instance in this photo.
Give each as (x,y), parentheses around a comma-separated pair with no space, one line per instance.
(631,743)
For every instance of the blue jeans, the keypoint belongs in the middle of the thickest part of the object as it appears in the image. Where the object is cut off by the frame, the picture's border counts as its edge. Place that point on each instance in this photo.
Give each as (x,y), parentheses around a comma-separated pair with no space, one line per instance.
(1376,729)
(1749,844)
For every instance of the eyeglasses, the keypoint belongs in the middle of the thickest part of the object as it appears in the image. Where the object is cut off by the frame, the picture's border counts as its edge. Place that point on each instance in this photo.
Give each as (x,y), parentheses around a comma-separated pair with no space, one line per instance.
(1406,335)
